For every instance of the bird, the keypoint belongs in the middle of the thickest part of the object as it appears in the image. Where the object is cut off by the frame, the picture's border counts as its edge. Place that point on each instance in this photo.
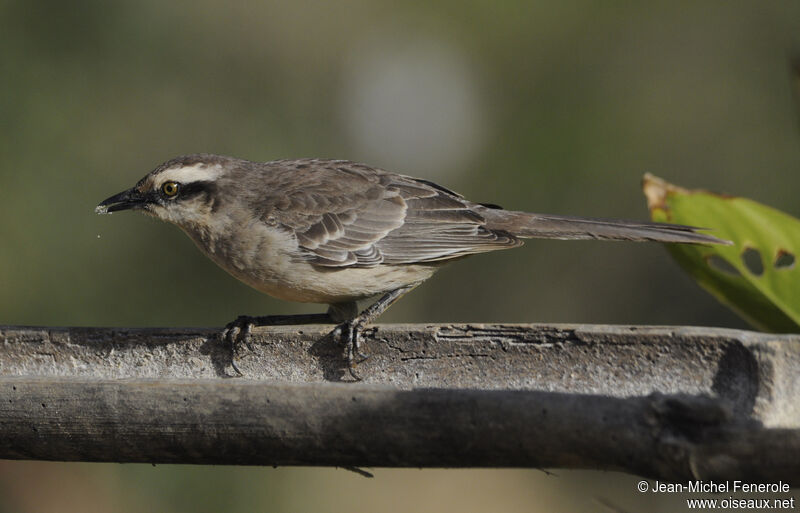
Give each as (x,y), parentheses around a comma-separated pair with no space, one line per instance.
(337,232)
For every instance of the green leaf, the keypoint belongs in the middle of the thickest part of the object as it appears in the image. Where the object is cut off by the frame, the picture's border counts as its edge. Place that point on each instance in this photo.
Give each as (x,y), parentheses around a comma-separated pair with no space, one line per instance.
(757,276)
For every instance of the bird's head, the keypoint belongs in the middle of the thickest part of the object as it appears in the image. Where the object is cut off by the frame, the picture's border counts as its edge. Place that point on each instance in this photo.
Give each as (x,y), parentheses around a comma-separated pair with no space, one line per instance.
(182,191)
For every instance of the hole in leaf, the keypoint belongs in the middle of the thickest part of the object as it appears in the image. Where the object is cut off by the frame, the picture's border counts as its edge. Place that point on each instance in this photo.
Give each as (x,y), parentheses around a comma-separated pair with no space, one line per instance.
(784,260)
(722,265)
(751,258)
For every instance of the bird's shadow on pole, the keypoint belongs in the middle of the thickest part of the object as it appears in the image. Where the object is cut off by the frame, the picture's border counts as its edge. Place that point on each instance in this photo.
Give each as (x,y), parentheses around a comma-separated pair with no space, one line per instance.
(327,351)
(330,355)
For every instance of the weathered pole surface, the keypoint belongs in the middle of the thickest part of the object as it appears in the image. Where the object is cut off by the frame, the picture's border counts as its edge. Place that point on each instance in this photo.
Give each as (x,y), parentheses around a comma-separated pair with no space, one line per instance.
(673,403)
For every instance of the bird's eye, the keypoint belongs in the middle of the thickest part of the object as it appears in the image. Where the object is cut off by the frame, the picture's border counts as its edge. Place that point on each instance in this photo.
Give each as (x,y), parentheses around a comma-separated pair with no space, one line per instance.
(170,189)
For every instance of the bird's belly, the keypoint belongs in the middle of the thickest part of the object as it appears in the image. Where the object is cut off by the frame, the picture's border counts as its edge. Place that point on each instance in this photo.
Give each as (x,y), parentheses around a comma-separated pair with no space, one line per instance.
(309,284)
(270,263)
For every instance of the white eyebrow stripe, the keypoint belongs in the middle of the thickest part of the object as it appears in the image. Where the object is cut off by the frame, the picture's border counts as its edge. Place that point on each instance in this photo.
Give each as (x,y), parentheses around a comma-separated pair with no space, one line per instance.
(188,174)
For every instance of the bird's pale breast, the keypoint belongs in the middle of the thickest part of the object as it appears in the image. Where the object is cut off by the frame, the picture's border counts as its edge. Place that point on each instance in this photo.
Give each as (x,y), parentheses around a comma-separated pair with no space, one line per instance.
(269,260)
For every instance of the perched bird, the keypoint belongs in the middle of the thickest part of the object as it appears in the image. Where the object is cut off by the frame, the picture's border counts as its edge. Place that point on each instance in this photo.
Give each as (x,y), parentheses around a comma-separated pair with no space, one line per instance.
(336,232)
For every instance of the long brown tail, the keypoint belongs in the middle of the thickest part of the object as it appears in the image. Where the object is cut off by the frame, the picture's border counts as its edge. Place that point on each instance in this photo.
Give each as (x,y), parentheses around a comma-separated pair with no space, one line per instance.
(546,226)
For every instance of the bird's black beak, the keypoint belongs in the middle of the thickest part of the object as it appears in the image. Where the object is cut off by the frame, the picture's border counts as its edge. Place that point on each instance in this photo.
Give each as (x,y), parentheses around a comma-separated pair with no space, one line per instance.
(125,200)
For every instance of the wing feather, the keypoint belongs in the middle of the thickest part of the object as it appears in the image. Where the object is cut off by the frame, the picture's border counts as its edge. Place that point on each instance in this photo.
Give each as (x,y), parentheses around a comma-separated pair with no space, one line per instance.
(350,215)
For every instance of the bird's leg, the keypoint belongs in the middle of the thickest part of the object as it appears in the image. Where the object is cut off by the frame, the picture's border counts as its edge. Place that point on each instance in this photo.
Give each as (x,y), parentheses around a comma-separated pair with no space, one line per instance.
(350,330)
(238,330)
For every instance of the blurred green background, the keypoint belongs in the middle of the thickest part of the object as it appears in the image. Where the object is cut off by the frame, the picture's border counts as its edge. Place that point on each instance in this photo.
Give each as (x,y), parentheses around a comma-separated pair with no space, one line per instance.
(555,107)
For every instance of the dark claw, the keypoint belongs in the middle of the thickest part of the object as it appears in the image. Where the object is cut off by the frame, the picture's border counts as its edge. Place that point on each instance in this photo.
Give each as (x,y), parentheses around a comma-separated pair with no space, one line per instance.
(352,371)
(348,333)
(357,344)
(235,332)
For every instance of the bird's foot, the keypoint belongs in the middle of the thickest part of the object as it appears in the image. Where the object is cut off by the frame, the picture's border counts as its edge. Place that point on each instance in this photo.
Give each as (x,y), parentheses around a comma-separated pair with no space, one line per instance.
(348,333)
(236,332)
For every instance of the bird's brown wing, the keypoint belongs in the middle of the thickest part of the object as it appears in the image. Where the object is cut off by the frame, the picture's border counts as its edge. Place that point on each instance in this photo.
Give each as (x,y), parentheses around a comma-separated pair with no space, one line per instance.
(350,215)
(439,225)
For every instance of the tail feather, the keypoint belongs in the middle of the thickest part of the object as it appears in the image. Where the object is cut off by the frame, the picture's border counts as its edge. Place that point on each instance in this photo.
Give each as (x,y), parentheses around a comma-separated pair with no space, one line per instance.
(546,226)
